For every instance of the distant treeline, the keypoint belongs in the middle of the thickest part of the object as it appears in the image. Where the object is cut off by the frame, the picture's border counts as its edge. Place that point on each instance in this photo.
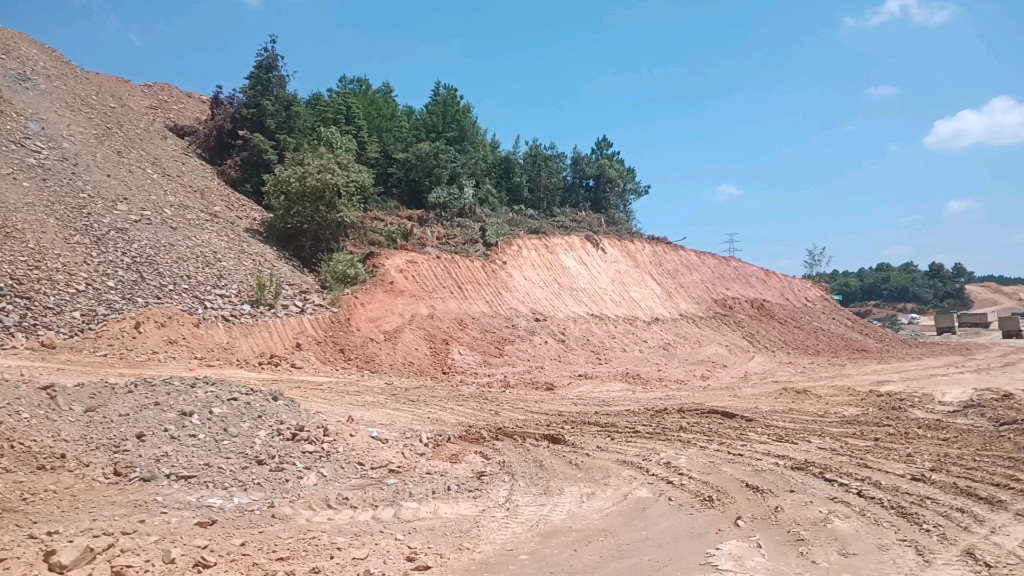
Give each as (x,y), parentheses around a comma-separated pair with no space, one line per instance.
(934,287)
(1002,280)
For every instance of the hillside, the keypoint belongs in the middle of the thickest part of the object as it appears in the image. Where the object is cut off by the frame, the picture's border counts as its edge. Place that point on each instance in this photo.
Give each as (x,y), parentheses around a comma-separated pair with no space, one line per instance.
(104,211)
(989,296)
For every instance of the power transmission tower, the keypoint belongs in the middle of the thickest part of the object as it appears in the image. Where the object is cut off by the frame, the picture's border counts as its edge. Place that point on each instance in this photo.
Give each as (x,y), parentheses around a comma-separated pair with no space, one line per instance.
(730,245)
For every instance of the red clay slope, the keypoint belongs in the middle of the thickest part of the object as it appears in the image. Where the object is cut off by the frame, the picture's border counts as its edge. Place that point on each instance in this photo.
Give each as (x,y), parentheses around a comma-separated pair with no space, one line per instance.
(629,307)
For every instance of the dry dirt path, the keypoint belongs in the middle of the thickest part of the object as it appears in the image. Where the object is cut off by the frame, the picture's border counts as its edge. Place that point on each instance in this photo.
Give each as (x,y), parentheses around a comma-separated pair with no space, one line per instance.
(907,468)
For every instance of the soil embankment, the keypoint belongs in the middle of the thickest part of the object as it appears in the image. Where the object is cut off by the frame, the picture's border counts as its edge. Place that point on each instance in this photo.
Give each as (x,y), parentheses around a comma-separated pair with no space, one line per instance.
(989,297)
(622,306)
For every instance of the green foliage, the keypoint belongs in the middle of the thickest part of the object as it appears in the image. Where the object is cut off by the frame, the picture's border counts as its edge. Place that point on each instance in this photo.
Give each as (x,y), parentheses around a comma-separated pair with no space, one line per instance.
(315,197)
(601,181)
(270,116)
(1001,280)
(936,287)
(453,200)
(266,289)
(493,230)
(315,162)
(340,271)
(892,323)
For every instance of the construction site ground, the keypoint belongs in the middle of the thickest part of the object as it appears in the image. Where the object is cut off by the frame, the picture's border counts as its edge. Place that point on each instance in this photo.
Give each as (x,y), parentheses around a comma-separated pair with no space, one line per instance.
(846,468)
(560,405)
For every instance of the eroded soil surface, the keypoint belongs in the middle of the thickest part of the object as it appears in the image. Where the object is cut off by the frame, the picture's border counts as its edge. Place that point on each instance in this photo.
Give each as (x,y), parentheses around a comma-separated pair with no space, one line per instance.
(901,468)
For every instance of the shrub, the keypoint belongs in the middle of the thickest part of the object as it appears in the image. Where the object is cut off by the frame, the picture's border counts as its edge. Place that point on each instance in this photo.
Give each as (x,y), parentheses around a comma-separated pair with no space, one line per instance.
(267,289)
(314,199)
(493,230)
(340,271)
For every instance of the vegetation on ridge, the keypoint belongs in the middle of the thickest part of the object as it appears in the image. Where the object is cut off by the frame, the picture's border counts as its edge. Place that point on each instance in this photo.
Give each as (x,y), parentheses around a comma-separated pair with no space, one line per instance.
(319,163)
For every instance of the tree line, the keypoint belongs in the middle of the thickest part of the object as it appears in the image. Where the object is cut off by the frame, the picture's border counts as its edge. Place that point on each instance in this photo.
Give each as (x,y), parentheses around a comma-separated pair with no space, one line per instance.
(316,162)
(934,287)
(1001,280)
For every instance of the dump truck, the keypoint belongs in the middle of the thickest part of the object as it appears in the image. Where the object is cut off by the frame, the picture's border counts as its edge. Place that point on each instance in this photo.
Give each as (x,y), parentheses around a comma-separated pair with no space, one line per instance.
(977,319)
(946,323)
(1012,327)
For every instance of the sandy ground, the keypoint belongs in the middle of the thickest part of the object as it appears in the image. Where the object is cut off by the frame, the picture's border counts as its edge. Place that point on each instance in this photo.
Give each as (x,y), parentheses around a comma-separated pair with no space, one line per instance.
(989,296)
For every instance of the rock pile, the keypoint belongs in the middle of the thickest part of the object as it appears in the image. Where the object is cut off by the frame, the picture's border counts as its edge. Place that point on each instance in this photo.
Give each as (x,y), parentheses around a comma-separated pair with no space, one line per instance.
(105,211)
(197,434)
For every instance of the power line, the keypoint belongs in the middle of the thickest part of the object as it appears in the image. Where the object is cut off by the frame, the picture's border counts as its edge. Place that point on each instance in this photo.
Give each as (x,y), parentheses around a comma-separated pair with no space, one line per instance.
(731,249)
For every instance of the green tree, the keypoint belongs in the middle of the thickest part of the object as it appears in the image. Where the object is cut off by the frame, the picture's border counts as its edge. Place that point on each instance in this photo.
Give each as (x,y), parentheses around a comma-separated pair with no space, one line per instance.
(341,110)
(425,167)
(817,261)
(386,120)
(602,182)
(544,167)
(271,117)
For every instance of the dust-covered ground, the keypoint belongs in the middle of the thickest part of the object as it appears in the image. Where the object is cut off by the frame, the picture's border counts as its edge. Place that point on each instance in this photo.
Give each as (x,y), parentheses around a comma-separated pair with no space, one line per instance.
(860,468)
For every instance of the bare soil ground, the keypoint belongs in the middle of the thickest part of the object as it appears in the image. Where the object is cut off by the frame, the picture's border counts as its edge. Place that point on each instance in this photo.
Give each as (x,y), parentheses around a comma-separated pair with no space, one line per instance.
(989,296)
(560,409)
(902,468)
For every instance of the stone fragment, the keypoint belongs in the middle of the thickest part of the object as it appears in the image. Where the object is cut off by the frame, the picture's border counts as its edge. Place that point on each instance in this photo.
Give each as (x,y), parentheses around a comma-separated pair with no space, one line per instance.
(170,556)
(205,522)
(74,555)
(49,341)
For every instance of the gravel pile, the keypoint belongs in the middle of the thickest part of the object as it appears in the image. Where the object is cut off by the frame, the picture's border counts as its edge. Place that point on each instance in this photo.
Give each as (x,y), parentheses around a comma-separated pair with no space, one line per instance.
(106,212)
(197,434)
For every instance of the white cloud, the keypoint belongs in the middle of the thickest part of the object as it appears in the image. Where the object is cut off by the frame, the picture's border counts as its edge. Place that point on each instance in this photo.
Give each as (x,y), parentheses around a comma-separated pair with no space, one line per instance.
(881,92)
(727,192)
(998,123)
(897,251)
(256,3)
(135,40)
(923,12)
(910,220)
(1019,237)
(962,206)
(892,147)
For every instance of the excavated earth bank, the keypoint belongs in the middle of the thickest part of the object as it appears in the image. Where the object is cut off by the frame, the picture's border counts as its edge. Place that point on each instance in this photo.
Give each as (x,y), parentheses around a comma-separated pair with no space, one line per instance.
(539,305)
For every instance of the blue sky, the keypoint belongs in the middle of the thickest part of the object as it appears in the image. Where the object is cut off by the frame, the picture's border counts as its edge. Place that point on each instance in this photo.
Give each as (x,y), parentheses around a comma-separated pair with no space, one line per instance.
(883,129)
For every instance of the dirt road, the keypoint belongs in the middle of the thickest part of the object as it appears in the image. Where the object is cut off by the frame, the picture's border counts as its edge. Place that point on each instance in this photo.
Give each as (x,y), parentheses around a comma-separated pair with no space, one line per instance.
(860,468)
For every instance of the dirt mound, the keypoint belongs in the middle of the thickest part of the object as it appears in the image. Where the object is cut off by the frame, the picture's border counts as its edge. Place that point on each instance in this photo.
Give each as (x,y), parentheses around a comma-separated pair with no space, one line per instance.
(989,296)
(105,211)
(613,307)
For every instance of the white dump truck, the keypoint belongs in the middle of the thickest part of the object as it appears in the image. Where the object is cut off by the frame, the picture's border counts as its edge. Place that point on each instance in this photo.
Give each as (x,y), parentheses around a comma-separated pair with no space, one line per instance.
(1012,327)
